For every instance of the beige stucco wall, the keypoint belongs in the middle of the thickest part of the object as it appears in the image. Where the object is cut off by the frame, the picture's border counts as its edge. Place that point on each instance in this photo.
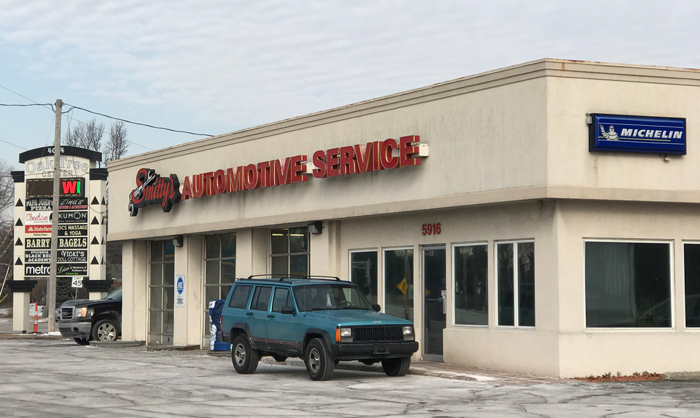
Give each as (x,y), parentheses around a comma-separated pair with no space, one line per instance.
(570,164)
(488,140)
(490,347)
(596,351)
(508,160)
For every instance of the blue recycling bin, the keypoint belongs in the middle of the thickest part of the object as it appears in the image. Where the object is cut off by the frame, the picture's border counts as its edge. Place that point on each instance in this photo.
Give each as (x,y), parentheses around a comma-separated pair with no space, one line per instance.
(215,308)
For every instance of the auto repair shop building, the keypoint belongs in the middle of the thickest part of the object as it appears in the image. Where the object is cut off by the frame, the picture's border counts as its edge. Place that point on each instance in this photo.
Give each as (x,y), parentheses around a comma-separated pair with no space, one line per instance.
(540,218)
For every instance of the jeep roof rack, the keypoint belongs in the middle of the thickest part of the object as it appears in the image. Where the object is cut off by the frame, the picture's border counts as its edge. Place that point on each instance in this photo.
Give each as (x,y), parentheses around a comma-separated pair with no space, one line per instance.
(269,276)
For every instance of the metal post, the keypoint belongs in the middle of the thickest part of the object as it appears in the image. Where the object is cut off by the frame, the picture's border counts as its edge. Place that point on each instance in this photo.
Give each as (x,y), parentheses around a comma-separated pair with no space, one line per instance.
(54,219)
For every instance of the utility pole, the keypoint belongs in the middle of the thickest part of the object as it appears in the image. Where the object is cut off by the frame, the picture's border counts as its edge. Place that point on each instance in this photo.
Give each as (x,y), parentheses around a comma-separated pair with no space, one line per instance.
(54,217)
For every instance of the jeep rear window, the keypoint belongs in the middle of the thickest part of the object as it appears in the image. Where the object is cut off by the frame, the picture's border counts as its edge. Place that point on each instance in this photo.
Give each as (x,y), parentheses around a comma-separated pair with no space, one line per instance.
(329,297)
(239,298)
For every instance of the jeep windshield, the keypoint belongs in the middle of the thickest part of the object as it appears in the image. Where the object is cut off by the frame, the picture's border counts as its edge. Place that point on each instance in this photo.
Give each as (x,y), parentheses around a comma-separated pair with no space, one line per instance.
(323,297)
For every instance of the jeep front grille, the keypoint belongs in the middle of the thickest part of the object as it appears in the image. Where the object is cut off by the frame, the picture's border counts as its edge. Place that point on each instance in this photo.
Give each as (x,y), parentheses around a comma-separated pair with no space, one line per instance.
(66,313)
(375,334)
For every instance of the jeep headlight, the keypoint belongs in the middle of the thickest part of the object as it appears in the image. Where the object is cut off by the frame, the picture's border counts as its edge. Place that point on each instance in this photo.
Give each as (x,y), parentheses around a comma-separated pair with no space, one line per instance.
(343,335)
(408,333)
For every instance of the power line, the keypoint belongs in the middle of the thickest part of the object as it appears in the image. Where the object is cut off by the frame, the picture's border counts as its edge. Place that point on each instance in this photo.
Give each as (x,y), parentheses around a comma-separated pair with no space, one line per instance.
(26,105)
(14,145)
(134,123)
(27,98)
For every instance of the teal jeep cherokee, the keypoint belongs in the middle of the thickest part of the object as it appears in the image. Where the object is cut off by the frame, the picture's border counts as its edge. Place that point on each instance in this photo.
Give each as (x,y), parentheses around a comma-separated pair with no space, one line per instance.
(320,320)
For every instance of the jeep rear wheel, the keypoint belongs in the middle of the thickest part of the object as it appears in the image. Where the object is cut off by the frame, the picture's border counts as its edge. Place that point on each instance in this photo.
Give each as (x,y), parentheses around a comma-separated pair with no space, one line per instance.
(244,357)
(396,366)
(319,363)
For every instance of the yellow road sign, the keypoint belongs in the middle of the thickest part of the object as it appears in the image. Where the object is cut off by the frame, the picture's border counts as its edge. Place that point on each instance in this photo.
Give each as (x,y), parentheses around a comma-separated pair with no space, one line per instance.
(403,286)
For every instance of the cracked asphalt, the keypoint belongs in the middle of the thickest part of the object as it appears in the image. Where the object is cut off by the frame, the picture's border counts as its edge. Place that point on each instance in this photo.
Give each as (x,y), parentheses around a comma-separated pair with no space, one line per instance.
(58,378)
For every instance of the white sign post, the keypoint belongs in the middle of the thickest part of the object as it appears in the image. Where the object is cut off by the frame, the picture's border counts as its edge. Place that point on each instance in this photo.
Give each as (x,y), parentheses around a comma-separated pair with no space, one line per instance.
(180,292)
(77,282)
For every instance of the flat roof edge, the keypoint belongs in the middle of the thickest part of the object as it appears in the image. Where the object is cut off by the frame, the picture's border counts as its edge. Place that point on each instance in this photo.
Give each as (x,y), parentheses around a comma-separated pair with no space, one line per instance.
(493,197)
(494,78)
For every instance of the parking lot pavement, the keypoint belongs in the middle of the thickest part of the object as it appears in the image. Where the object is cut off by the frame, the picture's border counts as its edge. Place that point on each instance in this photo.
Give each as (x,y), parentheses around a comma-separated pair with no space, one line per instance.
(6,326)
(59,378)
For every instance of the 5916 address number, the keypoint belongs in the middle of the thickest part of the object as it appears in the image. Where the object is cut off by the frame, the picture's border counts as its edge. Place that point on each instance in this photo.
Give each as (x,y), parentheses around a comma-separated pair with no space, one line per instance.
(432,229)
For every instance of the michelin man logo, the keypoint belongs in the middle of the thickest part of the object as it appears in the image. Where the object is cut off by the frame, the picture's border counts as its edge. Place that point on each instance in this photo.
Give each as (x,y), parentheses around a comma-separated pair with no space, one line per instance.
(611,135)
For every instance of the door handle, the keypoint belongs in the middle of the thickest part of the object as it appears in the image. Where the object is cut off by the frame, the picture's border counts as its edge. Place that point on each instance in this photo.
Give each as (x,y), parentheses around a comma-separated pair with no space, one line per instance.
(249,313)
(270,316)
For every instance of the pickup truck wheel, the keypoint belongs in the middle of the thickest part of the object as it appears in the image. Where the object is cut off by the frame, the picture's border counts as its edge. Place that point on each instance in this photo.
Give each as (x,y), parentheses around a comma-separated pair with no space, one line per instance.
(82,341)
(105,330)
(319,363)
(244,358)
(396,366)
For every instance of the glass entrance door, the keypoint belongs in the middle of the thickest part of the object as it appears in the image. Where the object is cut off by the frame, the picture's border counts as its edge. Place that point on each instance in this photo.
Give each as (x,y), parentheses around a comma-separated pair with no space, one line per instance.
(434,303)
(162,293)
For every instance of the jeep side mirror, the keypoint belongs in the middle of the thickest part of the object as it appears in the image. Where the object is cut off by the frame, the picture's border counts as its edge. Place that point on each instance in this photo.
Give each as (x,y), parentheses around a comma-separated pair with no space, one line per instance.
(287,310)
(376,307)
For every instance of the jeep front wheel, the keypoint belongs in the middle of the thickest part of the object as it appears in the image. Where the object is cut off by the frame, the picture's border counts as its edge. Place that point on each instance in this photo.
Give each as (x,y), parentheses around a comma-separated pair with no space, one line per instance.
(396,366)
(244,358)
(319,363)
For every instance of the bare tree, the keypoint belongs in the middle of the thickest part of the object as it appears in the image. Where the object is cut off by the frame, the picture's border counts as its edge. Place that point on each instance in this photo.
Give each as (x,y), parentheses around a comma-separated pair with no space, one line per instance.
(88,135)
(7,199)
(7,188)
(117,145)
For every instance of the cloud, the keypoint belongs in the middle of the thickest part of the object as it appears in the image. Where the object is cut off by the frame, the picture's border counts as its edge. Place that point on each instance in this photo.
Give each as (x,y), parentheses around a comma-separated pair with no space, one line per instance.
(244,63)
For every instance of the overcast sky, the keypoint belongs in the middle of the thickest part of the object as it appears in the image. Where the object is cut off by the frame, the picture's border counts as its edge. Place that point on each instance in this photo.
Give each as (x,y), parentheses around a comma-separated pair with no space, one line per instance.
(214,67)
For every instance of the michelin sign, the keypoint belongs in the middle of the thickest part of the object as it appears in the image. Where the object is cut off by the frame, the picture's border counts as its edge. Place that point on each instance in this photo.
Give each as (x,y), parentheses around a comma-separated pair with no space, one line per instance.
(637,134)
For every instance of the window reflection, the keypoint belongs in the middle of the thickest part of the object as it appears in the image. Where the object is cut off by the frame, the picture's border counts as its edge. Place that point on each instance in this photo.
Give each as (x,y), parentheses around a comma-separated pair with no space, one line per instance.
(398,279)
(628,285)
(471,284)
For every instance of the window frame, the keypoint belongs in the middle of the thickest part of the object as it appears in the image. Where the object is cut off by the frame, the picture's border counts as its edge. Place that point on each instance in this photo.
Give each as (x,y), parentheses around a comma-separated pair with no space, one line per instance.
(220,285)
(454,281)
(163,289)
(516,284)
(289,254)
(672,278)
(367,250)
(685,318)
(413,278)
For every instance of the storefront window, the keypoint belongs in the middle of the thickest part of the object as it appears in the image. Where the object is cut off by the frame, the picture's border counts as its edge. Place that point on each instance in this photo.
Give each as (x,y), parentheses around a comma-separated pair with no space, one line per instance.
(471,284)
(398,282)
(220,269)
(162,292)
(516,284)
(363,272)
(628,284)
(692,284)
(289,251)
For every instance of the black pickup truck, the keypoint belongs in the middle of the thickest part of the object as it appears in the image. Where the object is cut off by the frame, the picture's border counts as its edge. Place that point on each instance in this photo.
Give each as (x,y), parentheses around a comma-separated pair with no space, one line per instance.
(85,320)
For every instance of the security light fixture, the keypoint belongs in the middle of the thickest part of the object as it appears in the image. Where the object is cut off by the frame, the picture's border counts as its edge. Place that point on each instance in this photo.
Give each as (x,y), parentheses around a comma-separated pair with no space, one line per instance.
(315,227)
(177,241)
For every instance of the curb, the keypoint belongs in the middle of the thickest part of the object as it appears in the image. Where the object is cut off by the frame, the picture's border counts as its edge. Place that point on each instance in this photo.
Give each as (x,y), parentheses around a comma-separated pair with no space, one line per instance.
(117,344)
(681,376)
(30,337)
(172,348)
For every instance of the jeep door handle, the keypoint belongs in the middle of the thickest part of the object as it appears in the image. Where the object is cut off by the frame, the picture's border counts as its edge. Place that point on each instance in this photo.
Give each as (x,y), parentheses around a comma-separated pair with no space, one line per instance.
(249,313)
(270,316)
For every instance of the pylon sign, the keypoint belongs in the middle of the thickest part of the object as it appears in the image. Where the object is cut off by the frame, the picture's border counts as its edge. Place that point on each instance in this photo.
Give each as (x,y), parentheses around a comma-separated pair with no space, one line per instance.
(81,214)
